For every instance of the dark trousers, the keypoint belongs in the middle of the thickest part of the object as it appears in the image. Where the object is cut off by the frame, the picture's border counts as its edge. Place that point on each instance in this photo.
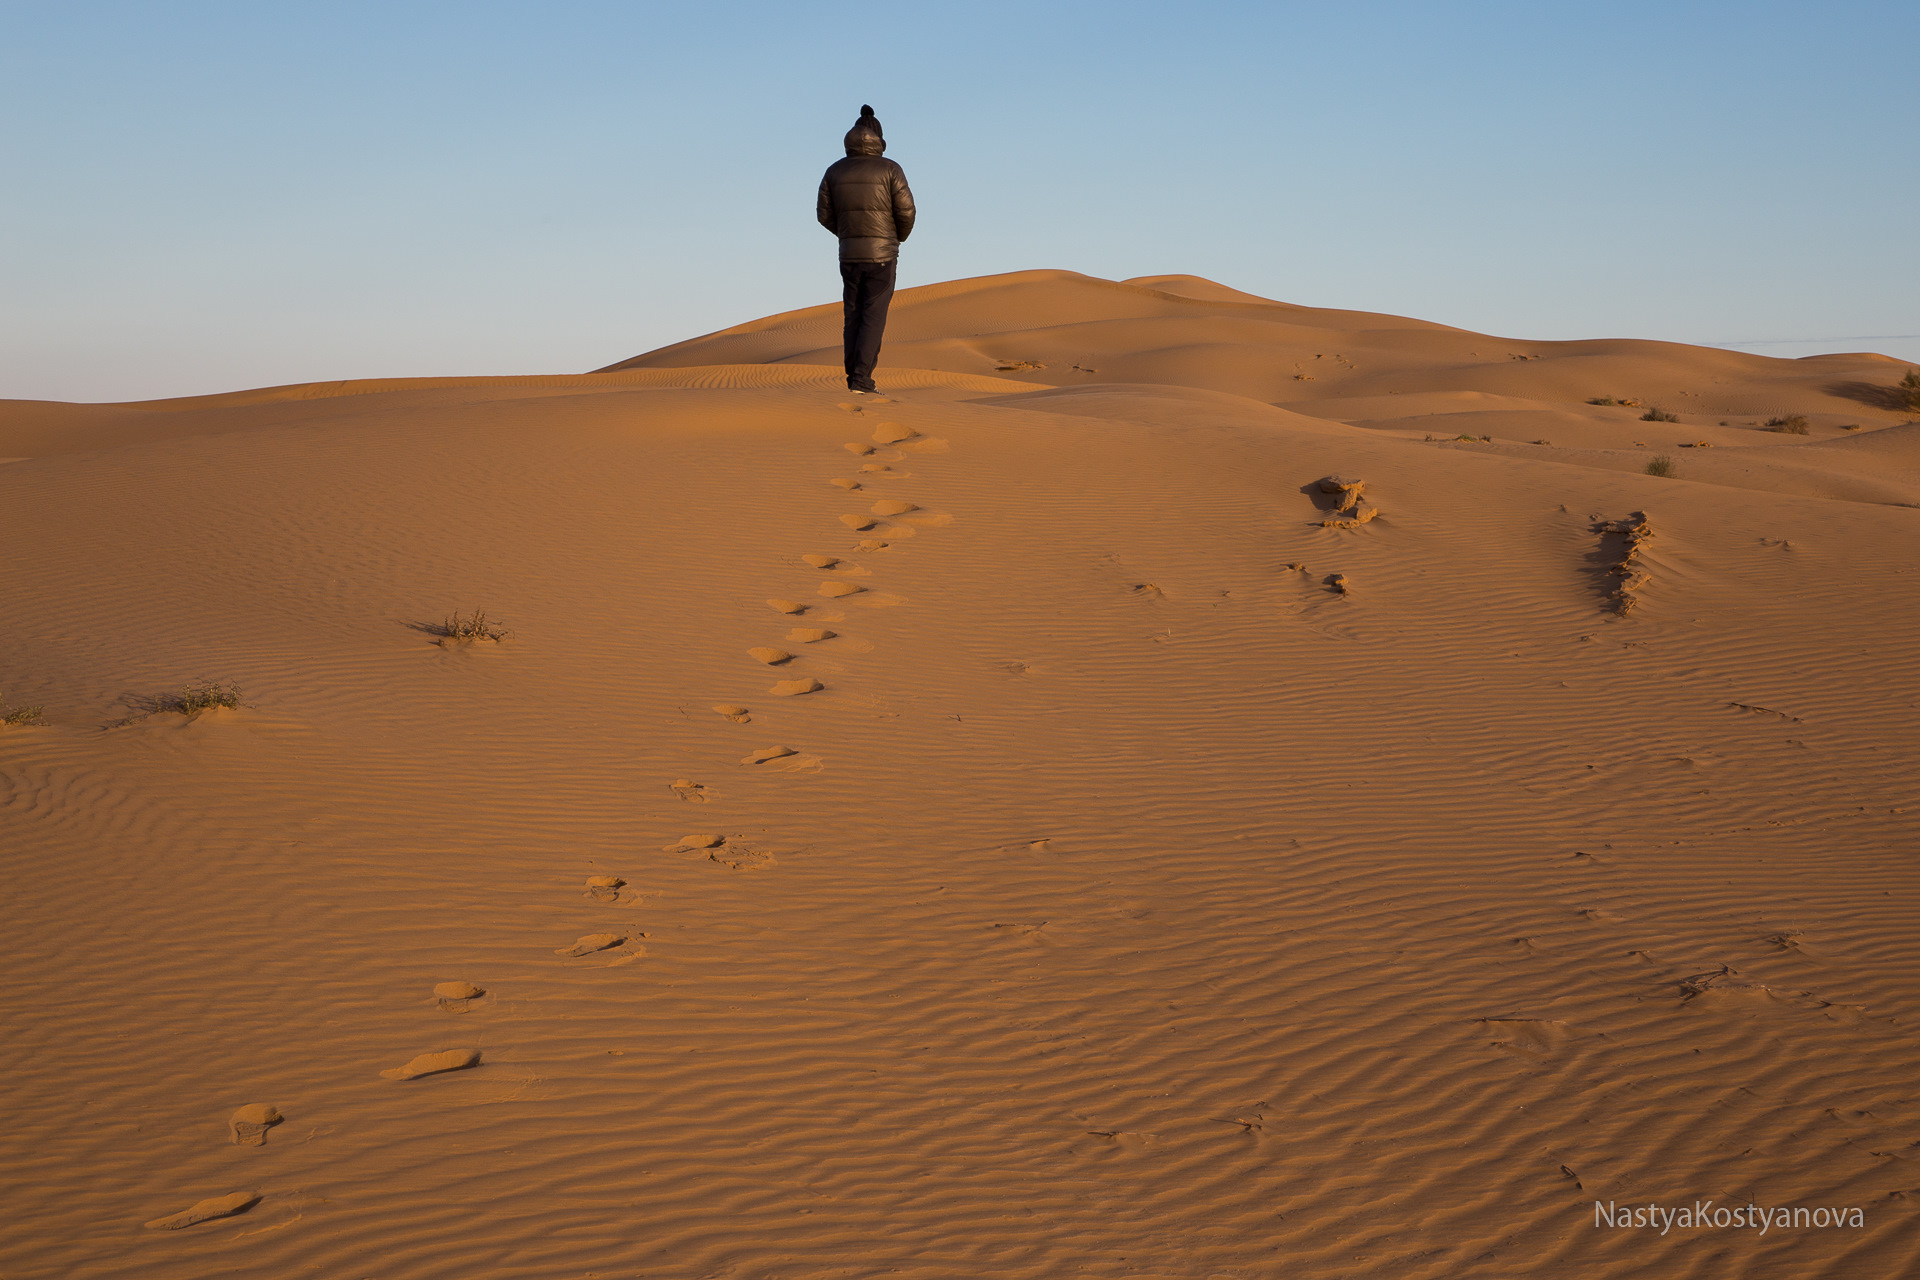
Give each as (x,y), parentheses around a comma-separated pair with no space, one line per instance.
(869,288)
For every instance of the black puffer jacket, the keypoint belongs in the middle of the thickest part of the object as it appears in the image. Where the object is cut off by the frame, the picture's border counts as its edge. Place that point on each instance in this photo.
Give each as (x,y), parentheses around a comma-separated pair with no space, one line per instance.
(865,201)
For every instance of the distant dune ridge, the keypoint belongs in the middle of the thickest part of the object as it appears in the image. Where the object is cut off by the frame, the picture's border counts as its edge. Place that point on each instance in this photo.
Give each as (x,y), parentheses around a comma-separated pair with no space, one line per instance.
(1187,785)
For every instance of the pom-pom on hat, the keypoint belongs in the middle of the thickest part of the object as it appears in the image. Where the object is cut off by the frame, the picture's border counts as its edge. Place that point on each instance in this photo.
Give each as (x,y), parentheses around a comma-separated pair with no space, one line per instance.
(869,121)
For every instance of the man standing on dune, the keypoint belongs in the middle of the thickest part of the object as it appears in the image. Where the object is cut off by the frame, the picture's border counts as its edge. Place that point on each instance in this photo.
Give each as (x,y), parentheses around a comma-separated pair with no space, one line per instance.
(865,201)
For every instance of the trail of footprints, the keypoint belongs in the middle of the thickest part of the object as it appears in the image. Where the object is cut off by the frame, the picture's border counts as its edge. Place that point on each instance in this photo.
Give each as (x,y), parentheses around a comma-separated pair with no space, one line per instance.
(885,521)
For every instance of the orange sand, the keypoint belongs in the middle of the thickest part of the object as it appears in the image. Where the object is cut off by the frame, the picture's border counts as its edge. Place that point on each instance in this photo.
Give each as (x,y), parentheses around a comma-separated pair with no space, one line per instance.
(1137,865)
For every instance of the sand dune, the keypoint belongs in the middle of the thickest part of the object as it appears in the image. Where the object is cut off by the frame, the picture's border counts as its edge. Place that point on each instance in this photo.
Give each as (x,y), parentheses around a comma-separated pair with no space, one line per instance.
(1155,877)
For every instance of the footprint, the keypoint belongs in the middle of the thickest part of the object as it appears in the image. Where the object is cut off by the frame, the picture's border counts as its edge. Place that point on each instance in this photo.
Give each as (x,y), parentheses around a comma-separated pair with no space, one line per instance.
(897,530)
(772,657)
(428,1064)
(455,995)
(809,635)
(848,485)
(765,754)
(892,507)
(858,523)
(872,544)
(855,447)
(604,888)
(839,590)
(875,468)
(834,564)
(1531,1037)
(690,791)
(248,1126)
(794,688)
(737,714)
(206,1210)
(893,433)
(743,859)
(786,606)
(924,519)
(703,840)
(586,946)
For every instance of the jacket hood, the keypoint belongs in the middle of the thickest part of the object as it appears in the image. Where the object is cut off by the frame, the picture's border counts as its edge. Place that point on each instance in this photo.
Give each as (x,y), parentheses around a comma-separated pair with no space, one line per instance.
(866,137)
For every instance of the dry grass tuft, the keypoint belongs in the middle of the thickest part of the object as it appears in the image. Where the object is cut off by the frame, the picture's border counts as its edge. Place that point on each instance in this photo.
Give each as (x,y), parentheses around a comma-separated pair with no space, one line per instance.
(19,715)
(1659,415)
(476,626)
(1792,424)
(1661,466)
(194,699)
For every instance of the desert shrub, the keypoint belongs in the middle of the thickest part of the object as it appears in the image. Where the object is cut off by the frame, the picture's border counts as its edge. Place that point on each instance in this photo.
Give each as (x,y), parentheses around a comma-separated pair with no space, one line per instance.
(1911,385)
(1603,400)
(1792,424)
(1661,466)
(197,698)
(19,715)
(475,627)
(1659,415)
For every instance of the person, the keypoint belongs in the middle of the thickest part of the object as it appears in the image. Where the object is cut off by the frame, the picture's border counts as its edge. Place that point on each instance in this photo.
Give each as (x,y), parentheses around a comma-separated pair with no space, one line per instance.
(865,201)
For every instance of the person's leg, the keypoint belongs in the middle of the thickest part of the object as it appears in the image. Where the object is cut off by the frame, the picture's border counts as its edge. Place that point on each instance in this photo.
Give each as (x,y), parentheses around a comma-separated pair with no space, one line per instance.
(863,345)
(850,309)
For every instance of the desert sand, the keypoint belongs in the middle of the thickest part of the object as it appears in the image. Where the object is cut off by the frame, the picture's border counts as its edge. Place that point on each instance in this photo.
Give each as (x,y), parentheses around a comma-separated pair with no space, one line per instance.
(1025,824)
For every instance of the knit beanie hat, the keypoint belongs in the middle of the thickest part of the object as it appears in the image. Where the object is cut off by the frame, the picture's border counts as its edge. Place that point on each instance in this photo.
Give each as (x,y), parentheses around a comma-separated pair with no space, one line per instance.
(867,124)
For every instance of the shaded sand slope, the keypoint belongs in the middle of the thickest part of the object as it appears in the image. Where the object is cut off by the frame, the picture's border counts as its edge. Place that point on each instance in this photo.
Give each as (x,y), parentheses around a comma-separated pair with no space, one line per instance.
(1132,901)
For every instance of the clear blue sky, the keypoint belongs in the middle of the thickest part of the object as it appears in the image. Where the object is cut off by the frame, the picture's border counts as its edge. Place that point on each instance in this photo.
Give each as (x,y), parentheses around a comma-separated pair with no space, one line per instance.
(207,196)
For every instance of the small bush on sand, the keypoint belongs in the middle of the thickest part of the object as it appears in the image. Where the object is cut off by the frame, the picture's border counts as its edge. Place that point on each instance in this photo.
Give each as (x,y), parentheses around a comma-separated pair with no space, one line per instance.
(192,700)
(1793,424)
(1659,415)
(1603,400)
(1661,466)
(475,627)
(19,715)
(1911,385)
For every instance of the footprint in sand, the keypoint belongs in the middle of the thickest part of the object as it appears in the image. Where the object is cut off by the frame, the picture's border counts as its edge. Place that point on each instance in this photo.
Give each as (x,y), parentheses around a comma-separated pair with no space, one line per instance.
(892,507)
(605,888)
(690,791)
(765,754)
(858,524)
(786,606)
(1530,1037)
(848,485)
(809,635)
(893,433)
(855,447)
(248,1126)
(700,840)
(839,590)
(772,657)
(432,1064)
(207,1210)
(872,544)
(783,760)
(834,564)
(743,859)
(794,688)
(590,943)
(737,714)
(456,996)
(879,468)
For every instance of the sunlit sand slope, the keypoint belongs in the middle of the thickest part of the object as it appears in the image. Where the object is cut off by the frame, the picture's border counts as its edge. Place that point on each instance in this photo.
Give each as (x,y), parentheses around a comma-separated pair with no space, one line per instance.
(1015,827)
